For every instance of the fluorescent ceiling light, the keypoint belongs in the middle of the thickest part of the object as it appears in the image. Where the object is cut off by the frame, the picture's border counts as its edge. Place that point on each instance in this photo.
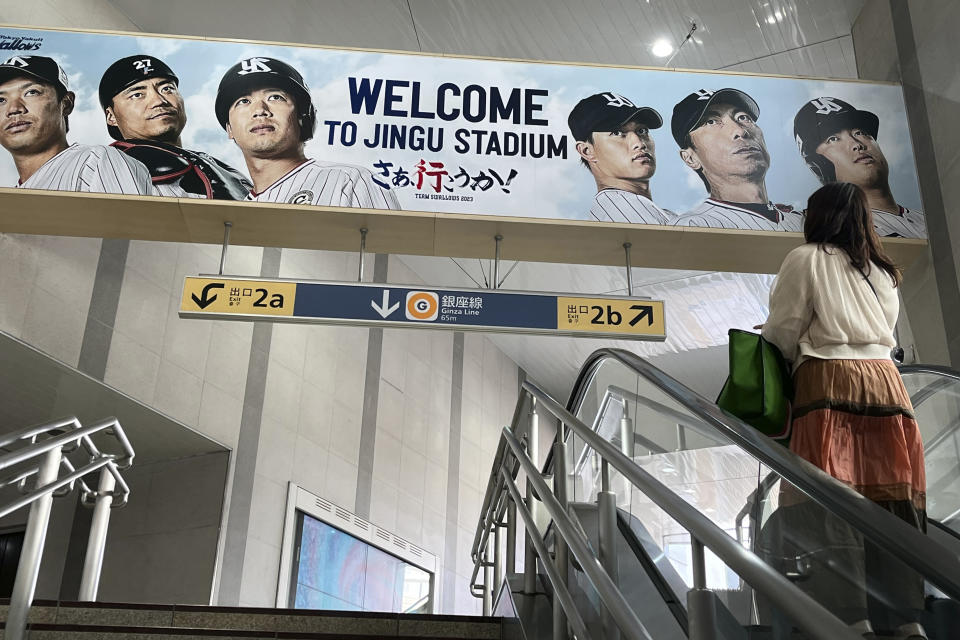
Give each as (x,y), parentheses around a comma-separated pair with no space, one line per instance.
(662,48)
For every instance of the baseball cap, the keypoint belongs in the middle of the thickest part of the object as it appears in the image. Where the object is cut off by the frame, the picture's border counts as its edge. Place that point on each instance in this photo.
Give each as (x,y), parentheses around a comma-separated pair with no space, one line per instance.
(258,72)
(688,112)
(126,71)
(606,112)
(824,116)
(39,67)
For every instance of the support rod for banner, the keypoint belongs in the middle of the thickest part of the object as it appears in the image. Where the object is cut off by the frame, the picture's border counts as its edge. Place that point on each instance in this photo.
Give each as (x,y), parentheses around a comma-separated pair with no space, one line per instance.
(226,244)
(496,262)
(363,248)
(693,27)
(626,250)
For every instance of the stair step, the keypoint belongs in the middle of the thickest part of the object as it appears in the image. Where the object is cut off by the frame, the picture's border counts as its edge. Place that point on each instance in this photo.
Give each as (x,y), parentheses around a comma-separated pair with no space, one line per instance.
(117,632)
(49,618)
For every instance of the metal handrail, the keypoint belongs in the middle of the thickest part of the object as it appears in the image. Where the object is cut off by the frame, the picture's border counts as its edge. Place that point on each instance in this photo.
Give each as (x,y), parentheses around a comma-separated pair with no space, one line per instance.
(559,588)
(937,566)
(890,533)
(606,589)
(683,420)
(47,444)
(80,435)
(944,374)
(945,377)
(808,614)
(935,369)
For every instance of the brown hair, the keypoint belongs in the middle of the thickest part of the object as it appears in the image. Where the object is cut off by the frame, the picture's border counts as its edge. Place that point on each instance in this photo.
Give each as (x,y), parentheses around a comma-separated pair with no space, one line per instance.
(837,214)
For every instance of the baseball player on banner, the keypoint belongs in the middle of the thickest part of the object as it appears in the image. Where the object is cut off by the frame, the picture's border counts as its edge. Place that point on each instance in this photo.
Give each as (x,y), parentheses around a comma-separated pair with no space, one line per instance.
(719,138)
(839,143)
(35,107)
(145,114)
(614,143)
(265,108)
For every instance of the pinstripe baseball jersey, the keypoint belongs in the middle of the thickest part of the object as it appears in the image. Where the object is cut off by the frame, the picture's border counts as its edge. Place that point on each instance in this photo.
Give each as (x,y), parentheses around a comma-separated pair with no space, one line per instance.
(94,168)
(718,214)
(174,190)
(328,184)
(617,205)
(909,224)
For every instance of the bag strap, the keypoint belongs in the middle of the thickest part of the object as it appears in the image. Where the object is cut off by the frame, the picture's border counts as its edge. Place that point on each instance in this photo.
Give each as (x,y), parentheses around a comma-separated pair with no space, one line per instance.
(870,284)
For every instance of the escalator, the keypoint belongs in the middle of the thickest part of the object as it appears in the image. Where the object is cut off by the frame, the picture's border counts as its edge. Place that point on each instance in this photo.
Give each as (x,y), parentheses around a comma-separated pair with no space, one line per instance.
(744,485)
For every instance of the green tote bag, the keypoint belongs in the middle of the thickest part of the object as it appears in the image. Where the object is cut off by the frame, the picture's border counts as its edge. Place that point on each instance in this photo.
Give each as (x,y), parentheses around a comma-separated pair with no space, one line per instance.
(759,390)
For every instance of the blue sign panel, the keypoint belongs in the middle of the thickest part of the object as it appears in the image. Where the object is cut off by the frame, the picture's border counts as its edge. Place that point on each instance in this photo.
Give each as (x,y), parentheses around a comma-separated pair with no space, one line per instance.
(424,307)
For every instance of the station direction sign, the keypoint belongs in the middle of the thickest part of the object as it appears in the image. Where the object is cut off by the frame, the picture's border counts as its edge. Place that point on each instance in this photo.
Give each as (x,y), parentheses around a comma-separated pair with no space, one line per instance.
(368,304)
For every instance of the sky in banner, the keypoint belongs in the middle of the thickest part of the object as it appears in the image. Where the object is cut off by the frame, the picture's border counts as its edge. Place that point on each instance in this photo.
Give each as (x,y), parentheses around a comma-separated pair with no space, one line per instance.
(550,187)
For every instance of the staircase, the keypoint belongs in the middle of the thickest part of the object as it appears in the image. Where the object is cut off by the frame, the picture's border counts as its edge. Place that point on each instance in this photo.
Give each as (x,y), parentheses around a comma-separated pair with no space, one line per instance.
(52,620)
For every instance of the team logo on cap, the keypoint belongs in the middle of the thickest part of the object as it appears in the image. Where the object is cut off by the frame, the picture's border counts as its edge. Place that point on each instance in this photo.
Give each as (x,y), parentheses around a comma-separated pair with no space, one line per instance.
(17,61)
(145,65)
(826,105)
(703,94)
(254,65)
(617,100)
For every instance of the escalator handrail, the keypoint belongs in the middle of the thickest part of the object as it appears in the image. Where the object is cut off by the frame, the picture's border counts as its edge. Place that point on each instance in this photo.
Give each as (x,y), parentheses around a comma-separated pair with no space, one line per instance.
(893,535)
(934,369)
(802,609)
(944,376)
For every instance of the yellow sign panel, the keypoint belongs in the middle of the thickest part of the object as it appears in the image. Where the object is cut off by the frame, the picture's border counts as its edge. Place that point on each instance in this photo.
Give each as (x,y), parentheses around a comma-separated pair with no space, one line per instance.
(611,315)
(250,297)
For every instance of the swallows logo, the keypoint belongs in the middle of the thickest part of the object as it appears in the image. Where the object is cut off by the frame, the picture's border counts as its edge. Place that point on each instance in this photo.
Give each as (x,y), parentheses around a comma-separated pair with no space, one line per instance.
(254,65)
(826,105)
(617,100)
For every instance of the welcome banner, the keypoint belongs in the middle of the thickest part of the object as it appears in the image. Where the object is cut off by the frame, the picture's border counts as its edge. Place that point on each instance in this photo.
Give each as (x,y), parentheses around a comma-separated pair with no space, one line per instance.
(316,126)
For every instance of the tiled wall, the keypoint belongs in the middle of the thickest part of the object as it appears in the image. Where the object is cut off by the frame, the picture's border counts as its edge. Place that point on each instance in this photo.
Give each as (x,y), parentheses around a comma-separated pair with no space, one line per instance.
(162,545)
(45,287)
(313,427)
(312,402)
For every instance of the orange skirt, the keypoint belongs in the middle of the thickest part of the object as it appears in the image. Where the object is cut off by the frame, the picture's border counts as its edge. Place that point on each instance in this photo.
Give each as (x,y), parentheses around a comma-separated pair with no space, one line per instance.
(854,420)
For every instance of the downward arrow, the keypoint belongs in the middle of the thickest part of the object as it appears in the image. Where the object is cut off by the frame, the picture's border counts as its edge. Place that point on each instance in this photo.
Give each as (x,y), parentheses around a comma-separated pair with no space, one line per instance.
(384,309)
(203,301)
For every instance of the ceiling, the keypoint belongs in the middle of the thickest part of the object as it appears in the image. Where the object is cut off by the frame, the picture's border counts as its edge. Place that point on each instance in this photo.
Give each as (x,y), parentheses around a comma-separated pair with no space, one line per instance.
(804,36)
(790,37)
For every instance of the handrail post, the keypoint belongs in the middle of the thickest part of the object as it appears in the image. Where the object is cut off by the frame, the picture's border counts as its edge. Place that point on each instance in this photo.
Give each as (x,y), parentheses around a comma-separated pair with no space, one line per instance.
(701,606)
(560,546)
(607,513)
(626,431)
(487,579)
(497,559)
(93,562)
(25,583)
(530,553)
(511,536)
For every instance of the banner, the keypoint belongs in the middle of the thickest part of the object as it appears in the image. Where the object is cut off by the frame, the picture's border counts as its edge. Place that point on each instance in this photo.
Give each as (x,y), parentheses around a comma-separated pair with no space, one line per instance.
(325,127)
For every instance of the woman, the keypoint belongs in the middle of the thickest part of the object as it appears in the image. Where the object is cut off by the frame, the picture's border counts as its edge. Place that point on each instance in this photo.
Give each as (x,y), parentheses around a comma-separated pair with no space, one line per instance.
(833,308)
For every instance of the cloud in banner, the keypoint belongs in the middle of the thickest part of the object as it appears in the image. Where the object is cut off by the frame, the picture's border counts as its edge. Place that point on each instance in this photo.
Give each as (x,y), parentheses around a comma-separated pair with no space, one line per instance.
(160,47)
(86,122)
(482,173)
(203,132)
